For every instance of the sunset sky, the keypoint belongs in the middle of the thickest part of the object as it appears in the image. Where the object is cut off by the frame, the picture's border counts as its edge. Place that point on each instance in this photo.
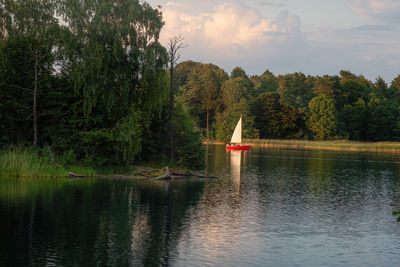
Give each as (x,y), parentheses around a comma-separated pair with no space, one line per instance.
(312,36)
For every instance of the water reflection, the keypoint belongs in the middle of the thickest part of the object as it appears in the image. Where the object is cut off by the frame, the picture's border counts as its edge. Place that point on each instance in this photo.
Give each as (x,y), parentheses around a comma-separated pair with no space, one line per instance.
(93,222)
(237,159)
(275,206)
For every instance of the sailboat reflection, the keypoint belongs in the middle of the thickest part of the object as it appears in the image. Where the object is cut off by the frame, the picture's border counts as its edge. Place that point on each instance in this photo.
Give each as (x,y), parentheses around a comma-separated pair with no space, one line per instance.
(236,165)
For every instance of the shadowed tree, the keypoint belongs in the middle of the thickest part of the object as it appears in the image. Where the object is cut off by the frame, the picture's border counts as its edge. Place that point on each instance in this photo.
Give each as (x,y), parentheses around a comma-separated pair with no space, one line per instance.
(353,119)
(34,24)
(295,90)
(380,87)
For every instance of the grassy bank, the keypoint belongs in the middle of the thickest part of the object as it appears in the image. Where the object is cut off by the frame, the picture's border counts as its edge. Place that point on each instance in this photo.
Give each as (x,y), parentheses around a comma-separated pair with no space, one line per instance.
(36,162)
(329,145)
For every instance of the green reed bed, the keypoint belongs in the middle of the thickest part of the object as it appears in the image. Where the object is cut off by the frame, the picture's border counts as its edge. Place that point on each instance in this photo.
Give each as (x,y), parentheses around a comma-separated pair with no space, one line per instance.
(28,162)
(36,162)
(335,145)
(42,162)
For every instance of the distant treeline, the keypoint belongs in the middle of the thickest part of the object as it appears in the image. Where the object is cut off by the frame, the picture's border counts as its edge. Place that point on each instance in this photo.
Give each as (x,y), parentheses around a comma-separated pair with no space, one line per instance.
(291,106)
(90,80)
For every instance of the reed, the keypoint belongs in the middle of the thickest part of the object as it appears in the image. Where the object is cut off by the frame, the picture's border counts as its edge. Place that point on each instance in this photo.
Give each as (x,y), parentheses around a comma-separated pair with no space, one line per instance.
(24,162)
(40,162)
(332,145)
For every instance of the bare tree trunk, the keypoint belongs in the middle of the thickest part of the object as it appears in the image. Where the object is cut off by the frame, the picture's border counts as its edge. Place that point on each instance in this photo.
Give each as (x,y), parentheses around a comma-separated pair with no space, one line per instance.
(175,44)
(171,110)
(35,90)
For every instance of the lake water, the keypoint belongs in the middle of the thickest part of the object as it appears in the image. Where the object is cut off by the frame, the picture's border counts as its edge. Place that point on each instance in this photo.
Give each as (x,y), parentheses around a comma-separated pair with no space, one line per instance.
(269,207)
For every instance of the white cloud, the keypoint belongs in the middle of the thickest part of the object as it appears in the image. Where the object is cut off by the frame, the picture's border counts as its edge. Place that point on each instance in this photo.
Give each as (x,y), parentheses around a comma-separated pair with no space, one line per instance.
(230,33)
(378,10)
(230,29)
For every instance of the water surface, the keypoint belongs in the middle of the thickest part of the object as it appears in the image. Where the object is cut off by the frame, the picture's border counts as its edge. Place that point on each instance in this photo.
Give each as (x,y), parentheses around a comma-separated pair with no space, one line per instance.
(274,207)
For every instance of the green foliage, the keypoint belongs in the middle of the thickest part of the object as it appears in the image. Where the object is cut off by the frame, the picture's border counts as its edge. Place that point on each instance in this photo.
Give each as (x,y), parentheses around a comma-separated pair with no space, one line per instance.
(102,87)
(382,119)
(227,121)
(322,119)
(275,120)
(326,85)
(295,90)
(353,120)
(381,88)
(129,137)
(395,86)
(202,92)
(189,151)
(267,82)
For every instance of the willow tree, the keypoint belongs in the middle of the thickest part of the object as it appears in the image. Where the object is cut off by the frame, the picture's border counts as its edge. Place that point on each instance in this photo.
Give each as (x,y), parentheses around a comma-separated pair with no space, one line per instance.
(118,66)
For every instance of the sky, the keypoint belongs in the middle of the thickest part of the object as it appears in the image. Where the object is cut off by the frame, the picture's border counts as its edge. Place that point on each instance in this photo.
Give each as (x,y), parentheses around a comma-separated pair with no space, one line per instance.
(316,37)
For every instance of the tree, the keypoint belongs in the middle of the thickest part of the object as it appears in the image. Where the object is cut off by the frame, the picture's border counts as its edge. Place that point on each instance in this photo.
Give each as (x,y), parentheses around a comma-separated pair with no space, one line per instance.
(350,91)
(227,120)
(238,72)
(380,87)
(275,120)
(203,92)
(267,82)
(353,119)
(395,86)
(382,119)
(117,65)
(33,23)
(326,85)
(233,90)
(295,90)
(322,119)
(174,45)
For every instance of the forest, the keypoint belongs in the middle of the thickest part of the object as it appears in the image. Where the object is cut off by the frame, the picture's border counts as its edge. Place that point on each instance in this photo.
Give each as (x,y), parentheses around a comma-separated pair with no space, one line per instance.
(90,80)
(291,106)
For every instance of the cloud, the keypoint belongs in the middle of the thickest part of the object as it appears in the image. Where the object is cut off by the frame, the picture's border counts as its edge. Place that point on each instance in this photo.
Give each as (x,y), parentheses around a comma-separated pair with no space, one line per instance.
(373,27)
(230,33)
(229,29)
(264,3)
(378,10)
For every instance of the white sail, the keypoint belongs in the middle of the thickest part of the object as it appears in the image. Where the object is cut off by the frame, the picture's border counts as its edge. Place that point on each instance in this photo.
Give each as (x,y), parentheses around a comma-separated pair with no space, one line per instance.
(237,134)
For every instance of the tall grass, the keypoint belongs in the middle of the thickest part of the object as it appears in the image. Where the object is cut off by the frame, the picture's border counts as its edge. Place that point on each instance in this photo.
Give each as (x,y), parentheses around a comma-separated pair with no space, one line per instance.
(333,145)
(32,162)
(40,162)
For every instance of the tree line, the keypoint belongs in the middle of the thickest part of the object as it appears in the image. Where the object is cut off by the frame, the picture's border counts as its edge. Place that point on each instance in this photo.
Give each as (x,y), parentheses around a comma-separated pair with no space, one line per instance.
(291,106)
(90,79)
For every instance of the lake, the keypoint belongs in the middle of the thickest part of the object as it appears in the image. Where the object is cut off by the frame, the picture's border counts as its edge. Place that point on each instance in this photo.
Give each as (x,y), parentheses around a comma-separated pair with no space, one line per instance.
(269,207)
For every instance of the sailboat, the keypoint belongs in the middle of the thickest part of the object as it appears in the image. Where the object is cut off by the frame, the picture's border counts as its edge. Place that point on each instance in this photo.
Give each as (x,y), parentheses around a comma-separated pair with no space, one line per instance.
(236,140)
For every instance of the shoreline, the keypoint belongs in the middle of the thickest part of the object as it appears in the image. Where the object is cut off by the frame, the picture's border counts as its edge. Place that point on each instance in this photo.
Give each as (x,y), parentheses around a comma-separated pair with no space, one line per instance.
(338,145)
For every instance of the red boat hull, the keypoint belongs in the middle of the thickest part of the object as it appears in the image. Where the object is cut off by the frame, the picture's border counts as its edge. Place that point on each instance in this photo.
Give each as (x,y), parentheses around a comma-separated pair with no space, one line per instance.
(238,147)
